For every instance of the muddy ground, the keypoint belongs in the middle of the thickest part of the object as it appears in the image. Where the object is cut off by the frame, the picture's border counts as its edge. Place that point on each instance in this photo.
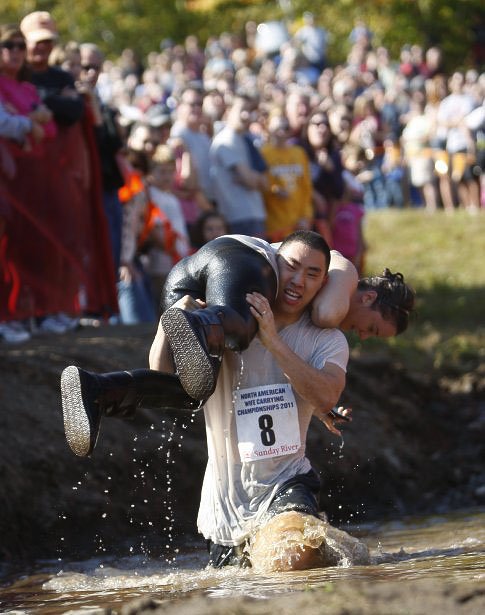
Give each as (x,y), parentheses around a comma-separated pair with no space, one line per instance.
(416,445)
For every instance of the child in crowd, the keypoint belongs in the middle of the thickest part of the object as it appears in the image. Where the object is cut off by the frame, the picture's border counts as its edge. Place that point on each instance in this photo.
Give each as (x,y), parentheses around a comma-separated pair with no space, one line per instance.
(347,219)
(393,171)
(209,225)
(158,262)
(144,226)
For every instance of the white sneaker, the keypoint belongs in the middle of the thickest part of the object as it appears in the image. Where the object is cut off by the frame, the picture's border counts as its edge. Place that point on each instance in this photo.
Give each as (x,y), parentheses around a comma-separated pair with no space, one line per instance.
(50,324)
(13,332)
(69,322)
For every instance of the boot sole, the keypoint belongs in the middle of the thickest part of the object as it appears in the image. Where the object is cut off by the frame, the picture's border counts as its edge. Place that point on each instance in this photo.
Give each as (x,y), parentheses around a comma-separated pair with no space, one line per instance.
(76,421)
(193,367)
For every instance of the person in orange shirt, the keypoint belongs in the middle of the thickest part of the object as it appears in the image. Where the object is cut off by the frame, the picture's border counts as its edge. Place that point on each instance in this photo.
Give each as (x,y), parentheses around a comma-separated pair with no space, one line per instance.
(144,225)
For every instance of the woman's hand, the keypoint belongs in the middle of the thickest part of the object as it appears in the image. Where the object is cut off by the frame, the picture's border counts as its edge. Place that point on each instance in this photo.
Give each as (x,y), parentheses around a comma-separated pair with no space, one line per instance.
(189,304)
(41,114)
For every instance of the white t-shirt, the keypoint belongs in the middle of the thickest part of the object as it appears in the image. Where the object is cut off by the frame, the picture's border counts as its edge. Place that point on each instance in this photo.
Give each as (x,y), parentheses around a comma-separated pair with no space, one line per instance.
(235,201)
(255,414)
(453,107)
(198,144)
(268,250)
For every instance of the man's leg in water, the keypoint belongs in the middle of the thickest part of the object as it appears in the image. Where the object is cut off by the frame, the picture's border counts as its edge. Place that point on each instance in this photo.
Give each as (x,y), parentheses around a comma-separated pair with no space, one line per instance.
(282,543)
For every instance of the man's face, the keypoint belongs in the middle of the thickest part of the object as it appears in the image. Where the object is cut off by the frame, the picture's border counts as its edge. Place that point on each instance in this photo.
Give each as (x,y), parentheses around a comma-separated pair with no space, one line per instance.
(303,271)
(364,320)
(91,65)
(38,53)
(278,129)
(297,111)
(241,115)
(190,108)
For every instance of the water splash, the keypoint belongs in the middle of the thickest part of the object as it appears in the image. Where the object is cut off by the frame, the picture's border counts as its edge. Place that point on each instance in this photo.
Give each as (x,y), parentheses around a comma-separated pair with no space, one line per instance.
(292,541)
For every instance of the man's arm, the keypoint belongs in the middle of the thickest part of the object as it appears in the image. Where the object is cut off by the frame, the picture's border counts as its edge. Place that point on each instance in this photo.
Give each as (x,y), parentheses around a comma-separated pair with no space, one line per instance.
(249,178)
(319,387)
(160,357)
(331,304)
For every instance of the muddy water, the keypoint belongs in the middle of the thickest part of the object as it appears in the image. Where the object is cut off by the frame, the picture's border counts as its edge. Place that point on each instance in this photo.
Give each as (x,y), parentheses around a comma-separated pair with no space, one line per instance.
(450,547)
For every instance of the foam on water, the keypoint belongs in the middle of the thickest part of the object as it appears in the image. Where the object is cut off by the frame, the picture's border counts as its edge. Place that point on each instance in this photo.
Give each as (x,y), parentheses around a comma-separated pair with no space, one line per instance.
(106,579)
(288,538)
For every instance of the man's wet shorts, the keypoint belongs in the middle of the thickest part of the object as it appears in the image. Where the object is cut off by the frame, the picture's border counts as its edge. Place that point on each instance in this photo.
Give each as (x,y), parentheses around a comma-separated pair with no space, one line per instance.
(299,493)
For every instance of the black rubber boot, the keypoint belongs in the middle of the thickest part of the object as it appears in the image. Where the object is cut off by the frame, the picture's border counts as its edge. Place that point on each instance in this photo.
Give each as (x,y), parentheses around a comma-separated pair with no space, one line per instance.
(197,341)
(86,397)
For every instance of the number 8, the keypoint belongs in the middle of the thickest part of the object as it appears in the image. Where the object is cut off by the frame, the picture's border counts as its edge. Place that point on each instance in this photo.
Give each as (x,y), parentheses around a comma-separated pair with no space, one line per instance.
(265,423)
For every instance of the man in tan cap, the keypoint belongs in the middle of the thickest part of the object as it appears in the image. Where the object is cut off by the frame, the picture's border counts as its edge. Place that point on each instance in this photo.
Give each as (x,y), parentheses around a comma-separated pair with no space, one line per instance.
(39,26)
(55,86)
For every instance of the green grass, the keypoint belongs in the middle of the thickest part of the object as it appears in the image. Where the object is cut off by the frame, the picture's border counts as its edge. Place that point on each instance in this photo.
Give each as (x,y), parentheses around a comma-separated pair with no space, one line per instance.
(442,258)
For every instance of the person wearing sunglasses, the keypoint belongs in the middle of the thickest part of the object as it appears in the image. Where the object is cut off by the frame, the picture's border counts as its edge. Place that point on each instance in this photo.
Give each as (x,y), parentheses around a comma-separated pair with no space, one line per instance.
(16,94)
(24,124)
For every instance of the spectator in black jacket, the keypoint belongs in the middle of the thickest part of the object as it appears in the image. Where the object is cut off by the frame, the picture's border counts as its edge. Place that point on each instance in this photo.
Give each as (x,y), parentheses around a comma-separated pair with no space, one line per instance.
(55,85)
(108,140)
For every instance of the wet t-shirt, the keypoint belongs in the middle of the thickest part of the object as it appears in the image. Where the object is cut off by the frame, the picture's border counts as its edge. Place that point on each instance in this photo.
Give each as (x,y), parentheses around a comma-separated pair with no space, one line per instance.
(256,427)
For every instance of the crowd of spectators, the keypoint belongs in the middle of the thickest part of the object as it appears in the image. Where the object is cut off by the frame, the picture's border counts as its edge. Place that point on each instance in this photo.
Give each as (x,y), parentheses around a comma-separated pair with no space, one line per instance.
(111,170)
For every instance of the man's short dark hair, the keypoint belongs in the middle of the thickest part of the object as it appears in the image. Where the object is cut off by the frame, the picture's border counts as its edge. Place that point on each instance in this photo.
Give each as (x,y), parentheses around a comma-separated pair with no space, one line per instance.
(311,239)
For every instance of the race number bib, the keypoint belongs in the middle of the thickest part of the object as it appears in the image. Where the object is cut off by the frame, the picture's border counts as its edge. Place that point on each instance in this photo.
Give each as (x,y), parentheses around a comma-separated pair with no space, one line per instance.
(267,422)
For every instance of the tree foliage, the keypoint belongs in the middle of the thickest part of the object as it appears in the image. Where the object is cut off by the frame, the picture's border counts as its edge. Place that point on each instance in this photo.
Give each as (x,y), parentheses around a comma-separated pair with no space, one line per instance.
(141,24)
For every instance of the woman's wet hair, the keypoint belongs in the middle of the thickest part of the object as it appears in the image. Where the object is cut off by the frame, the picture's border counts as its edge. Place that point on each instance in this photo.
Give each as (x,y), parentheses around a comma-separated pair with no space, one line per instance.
(395,299)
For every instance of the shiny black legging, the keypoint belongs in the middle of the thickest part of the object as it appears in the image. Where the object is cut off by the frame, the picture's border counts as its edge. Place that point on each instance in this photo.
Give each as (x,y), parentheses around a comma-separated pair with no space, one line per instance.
(221,273)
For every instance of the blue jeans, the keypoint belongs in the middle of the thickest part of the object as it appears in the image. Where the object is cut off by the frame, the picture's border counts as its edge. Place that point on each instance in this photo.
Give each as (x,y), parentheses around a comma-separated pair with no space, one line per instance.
(375,196)
(394,193)
(135,300)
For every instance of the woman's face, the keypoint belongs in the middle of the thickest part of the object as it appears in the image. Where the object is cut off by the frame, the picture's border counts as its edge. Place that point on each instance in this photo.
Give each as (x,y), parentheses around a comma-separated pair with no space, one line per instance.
(318,130)
(12,57)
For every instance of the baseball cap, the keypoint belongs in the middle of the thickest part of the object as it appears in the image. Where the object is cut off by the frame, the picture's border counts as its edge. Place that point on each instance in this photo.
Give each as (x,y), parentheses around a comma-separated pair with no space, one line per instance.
(39,26)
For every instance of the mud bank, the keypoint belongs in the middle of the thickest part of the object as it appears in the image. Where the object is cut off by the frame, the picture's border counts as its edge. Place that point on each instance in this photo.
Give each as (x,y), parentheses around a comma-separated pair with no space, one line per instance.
(416,445)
